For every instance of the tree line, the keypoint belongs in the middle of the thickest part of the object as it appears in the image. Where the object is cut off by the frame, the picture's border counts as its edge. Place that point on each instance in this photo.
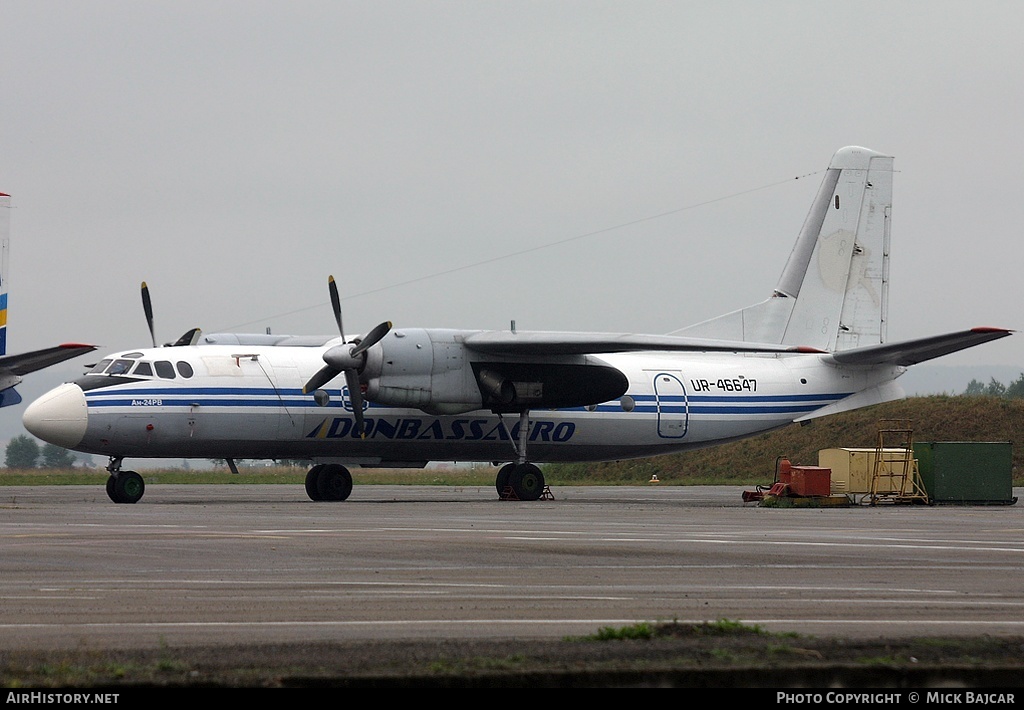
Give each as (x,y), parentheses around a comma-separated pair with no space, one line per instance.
(25,452)
(995,388)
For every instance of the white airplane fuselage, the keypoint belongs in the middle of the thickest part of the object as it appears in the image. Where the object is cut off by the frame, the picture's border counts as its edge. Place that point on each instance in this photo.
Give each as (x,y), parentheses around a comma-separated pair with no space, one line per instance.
(247,402)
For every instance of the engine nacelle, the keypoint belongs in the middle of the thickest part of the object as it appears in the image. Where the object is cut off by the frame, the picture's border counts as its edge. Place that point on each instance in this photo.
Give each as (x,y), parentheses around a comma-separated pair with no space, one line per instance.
(425,369)
(434,371)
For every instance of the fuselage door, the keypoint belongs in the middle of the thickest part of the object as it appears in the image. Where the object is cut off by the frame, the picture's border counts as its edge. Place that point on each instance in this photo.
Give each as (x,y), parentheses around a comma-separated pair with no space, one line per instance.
(284,376)
(673,408)
(270,414)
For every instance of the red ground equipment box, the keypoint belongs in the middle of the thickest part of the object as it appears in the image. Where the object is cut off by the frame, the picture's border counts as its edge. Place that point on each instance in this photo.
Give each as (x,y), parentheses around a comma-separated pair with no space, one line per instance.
(810,481)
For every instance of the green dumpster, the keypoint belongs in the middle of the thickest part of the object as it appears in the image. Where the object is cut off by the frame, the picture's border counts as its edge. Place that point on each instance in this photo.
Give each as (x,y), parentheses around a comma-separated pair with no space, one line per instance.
(966,472)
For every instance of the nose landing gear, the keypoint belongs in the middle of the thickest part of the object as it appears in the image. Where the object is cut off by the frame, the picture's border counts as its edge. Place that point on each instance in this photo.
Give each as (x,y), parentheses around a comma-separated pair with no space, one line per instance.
(124,486)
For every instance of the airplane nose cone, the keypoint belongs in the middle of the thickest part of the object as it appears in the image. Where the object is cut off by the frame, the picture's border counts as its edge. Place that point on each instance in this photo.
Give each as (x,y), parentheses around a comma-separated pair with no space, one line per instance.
(59,416)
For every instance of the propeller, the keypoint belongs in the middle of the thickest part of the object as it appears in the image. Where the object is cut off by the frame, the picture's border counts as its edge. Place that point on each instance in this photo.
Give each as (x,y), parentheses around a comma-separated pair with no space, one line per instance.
(348,358)
(336,304)
(189,337)
(147,306)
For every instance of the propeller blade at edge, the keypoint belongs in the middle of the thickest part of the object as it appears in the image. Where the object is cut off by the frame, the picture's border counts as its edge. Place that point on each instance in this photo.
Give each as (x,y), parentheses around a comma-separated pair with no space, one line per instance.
(321,378)
(355,395)
(336,305)
(189,337)
(147,307)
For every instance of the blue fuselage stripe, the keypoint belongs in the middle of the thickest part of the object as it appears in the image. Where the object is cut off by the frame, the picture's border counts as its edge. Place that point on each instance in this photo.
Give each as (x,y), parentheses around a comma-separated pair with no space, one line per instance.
(265,398)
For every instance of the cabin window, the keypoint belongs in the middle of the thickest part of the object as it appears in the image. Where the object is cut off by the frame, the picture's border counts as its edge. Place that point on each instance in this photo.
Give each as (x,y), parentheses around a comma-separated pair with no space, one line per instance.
(165,369)
(120,367)
(184,369)
(143,369)
(99,367)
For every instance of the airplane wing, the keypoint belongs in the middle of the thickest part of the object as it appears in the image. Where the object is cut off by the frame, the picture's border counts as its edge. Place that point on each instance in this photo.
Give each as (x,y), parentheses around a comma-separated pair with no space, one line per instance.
(24,363)
(911,352)
(555,343)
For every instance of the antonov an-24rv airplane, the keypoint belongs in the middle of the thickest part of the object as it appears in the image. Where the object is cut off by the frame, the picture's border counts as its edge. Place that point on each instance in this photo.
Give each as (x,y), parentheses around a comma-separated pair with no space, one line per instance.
(406,396)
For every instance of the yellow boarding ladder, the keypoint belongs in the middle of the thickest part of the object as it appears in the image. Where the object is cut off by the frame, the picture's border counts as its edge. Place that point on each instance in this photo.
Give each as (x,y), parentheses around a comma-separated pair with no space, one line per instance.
(895,478)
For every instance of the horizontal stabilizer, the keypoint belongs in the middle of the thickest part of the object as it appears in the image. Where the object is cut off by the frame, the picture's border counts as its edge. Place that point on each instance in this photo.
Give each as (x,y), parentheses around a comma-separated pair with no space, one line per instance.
(12,367)
(554,343)
(24,363)
(911,352)
(885,392)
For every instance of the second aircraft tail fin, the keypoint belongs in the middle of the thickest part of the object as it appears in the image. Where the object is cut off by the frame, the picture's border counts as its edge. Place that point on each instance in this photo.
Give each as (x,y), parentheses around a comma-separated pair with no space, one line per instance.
(5,234)
(12,367)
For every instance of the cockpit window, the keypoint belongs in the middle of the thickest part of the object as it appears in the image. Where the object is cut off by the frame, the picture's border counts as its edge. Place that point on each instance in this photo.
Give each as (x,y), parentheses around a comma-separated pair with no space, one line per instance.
(143,369)
(184,369)
(120,367)
(99,367)
(165,369)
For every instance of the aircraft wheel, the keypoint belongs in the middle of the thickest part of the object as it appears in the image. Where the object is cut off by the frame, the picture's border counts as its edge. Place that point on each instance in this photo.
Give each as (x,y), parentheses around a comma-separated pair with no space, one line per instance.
(501,480)
(334,483)
(311,482)
(128,487)
(110,488)
(527,481)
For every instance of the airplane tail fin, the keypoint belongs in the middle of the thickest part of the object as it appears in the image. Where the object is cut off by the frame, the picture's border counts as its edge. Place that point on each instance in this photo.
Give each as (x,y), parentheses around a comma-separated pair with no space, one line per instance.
(5,234)
(12,367)
(833,293)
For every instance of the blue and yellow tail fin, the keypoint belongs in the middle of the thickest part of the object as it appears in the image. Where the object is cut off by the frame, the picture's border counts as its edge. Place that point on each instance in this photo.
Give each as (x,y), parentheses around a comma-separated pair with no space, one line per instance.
(14,367)
(5,235)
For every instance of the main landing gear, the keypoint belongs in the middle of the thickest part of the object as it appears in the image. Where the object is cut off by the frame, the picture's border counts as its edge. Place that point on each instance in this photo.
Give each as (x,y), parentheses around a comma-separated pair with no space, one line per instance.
(124,486)
(515,481)
(326,482)
(520,480)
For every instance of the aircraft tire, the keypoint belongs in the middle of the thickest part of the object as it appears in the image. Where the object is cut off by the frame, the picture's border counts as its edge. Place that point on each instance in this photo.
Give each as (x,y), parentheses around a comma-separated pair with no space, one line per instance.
(501,480)
(527,481)
(110,488)
(128,487)
(334,483)
(311,482)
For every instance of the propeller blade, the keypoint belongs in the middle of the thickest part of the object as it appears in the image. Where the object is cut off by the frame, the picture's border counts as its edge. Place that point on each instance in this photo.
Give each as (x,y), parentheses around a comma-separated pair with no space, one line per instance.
(147,306)
(321,378)
(336,305)
(189,337)
(372,338)
(355,396)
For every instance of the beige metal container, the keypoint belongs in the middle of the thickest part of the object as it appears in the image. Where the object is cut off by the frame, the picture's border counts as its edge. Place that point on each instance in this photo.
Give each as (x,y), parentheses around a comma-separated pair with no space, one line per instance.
(853,470)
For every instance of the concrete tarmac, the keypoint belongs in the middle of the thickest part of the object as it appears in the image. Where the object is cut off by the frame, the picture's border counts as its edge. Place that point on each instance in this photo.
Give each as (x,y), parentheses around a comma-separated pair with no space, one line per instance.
(226,564)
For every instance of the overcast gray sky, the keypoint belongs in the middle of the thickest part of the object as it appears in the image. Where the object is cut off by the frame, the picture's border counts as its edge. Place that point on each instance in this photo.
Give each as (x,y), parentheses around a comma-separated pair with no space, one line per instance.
(234,154)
